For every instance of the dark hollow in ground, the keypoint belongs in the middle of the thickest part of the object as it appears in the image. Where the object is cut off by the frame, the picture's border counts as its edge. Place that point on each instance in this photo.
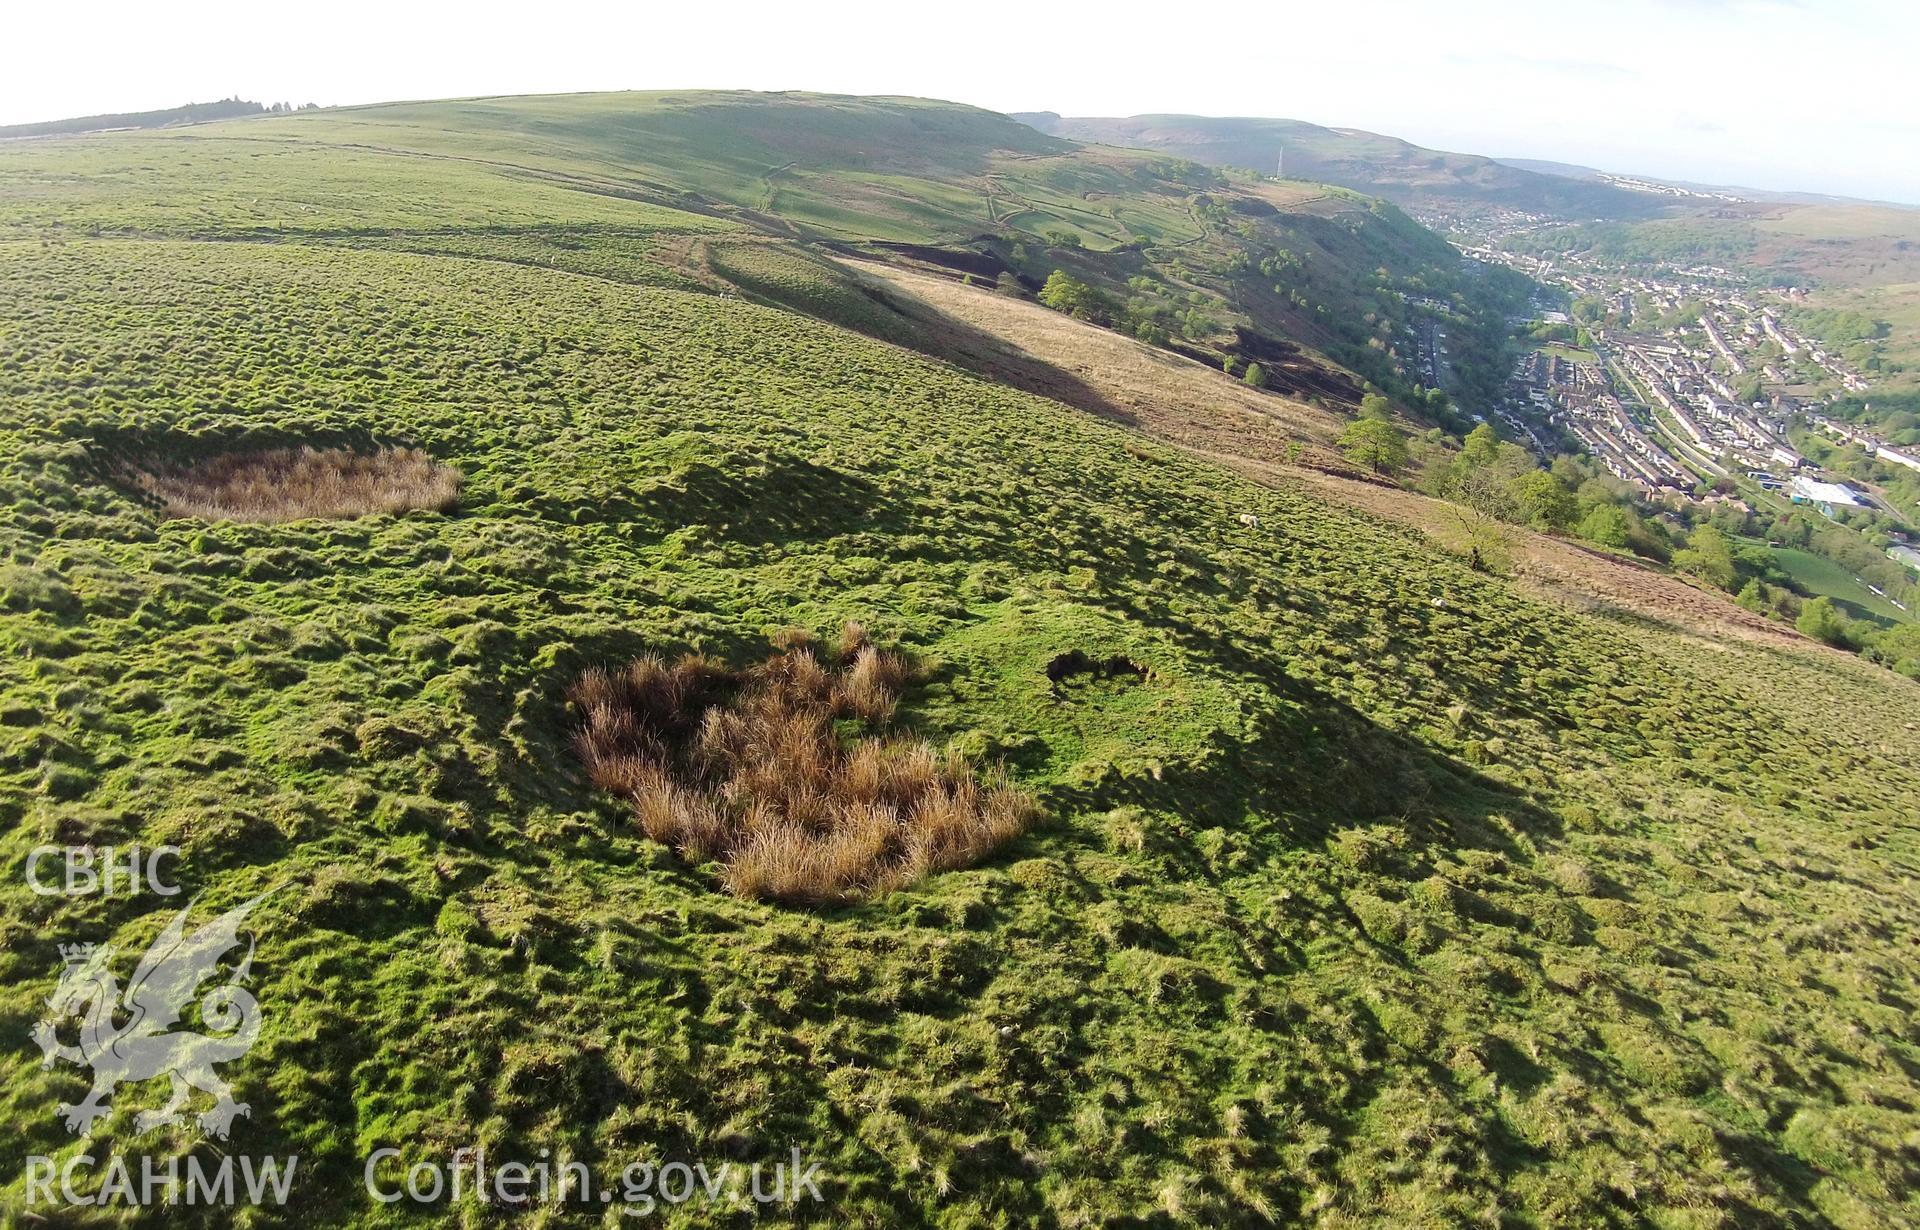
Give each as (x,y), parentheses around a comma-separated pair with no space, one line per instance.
(1068,665)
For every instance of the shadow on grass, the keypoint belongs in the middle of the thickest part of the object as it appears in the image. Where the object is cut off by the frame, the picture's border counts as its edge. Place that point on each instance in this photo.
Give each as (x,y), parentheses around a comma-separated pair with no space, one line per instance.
(765,500)
(1317,765)
(114,447)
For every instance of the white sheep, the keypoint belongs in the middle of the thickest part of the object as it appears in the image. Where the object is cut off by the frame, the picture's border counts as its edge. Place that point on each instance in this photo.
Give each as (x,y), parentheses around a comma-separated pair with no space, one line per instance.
(1250,521)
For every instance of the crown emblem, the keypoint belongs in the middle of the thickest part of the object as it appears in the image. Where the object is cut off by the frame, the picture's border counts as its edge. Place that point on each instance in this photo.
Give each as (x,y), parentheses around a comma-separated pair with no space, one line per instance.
(76,954)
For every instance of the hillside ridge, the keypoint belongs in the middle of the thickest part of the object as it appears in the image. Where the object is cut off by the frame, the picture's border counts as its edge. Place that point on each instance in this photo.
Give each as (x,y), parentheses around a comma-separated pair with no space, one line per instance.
(1379,165)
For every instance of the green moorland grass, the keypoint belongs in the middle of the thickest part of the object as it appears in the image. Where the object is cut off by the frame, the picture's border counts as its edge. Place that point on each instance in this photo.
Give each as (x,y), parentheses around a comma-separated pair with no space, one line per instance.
(788,276)
(900,169)
(1389,895)
(228,179)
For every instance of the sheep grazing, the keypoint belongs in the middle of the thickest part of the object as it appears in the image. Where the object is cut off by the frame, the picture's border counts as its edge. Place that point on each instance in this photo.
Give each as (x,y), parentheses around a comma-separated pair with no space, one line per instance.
(1250,521)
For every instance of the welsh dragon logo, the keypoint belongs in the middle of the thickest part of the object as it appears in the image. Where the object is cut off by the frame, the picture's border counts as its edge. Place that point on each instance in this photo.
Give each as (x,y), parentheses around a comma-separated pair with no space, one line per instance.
(142,1045)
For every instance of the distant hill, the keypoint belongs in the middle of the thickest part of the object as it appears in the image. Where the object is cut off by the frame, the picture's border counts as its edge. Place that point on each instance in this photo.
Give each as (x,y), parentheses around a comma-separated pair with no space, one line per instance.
(1406,174)
(1763,195)
(1542,166)
(1311,282)
(191,113)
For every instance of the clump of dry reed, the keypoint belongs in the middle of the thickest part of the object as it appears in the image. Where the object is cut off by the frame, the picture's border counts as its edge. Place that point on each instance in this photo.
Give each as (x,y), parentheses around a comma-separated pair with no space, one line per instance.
(290,484)
(750,768)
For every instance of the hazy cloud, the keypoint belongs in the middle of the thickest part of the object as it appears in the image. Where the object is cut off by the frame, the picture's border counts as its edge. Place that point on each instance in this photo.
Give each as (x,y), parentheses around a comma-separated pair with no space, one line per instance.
(1545,65)
(1689,90)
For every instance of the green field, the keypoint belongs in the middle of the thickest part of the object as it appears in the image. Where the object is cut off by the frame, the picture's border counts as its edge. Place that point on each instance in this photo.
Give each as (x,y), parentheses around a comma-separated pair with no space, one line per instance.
(1572,354)
(1821,575)
(1387,895)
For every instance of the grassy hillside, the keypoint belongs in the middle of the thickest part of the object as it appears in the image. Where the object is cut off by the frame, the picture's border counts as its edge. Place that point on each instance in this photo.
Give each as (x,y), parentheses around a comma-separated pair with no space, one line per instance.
(1309,281)
(1385,893)
(190,113)
(860,168)
(1366,162)
(1167,395)
(1276,442)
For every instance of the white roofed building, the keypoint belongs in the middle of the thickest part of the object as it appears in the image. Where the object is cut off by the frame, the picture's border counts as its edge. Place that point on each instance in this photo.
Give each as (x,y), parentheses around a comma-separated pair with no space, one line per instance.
(1828,496)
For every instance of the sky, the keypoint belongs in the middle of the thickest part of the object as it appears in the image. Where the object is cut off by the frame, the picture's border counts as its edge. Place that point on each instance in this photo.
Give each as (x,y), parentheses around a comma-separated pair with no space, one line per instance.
(1800,95)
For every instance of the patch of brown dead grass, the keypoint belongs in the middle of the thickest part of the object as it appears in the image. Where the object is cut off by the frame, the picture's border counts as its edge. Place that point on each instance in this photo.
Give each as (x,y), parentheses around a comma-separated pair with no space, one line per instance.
(1166,395)
(750,768)
(294,484)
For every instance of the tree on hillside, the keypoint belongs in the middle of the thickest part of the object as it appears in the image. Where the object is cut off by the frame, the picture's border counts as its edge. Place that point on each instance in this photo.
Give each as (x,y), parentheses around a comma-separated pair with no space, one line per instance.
(1481,503)
(1256,376)
(1062,291)
(1822,620)
(1374,406)
(1488,470)
(1709,556)
(1375,444)
(1065,293)
(1606,524)
(1899,648)
(1542,501)
(1481,448)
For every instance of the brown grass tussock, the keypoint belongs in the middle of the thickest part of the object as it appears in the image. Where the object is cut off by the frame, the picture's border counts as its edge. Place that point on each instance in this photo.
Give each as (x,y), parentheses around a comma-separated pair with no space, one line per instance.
(751,768)
(293,484)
